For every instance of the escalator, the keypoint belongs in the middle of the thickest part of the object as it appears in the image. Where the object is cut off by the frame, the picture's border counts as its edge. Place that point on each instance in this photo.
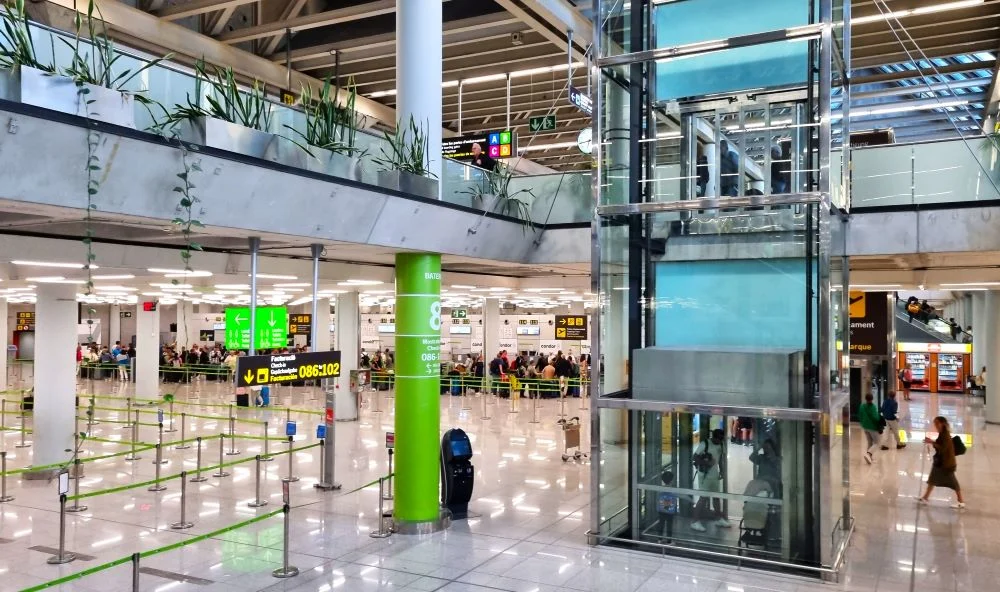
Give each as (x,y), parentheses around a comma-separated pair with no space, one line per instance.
(917,331)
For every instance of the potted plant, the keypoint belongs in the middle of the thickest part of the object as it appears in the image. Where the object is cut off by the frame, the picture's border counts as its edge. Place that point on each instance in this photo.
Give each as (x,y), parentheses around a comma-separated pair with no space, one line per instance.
(494,195)
(331,132)
(406,161)
(88,87)
(231,119)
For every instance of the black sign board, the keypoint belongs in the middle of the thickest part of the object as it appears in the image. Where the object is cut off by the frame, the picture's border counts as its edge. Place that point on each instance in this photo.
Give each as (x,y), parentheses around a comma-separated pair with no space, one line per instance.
(282,368)
(495,144)
(206,335)
(571,327)
(300,324)
(581,100)
(869,312)
(25,321)
(125,314)
(875,137)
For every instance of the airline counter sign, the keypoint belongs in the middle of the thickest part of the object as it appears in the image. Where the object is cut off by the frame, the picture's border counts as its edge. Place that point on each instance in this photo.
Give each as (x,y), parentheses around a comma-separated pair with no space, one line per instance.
(283,368)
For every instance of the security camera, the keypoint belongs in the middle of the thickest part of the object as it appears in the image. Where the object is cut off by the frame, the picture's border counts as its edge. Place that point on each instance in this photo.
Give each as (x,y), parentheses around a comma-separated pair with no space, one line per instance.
(516,38)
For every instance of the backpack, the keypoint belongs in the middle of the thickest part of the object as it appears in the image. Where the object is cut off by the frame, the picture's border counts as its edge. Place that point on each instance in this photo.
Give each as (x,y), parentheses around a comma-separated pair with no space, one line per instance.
(913,308)
(667,503)
(960,448)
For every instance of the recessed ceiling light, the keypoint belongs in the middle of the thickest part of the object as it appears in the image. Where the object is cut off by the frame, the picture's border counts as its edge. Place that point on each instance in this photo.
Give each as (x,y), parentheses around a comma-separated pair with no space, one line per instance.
(53,264)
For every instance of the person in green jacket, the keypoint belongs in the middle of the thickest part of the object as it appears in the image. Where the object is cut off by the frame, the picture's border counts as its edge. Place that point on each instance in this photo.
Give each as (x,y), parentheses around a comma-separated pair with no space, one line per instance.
(871,423)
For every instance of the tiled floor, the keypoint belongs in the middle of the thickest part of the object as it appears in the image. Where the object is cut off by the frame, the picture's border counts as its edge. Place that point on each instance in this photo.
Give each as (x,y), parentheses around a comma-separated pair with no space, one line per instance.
(529,537)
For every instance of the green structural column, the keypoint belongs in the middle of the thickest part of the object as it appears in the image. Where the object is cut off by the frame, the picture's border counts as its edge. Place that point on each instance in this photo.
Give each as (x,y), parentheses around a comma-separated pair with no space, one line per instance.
(418,385)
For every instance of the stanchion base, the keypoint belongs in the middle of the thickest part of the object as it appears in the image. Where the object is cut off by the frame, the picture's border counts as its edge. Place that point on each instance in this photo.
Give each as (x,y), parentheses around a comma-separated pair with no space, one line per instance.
(257,503)
(198,479)
(289,479)
(28,445)
(156,488)
(162,462)
(6,498)
(220,474)
(61,559)
(484,418)
(285,572)
(170,430)
(181,525)
(233,452)
(266,458)
(132,458)
(387,496)
(327,486)
(534,421)
(76,508)
(182,447)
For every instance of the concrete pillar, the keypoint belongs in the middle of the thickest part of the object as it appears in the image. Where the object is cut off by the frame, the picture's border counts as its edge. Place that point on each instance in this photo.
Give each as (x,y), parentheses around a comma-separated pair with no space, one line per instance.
(4,333)
(323,327)
(979,331)
(185,325)
(55,373)
(348,344)
(114,324)
(992,359)
(418,71)
(147,353)
(491,329)
(418,386)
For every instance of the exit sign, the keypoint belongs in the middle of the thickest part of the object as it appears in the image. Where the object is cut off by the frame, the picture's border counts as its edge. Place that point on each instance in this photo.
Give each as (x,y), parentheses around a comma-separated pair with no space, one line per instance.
(542,123)
(459,313)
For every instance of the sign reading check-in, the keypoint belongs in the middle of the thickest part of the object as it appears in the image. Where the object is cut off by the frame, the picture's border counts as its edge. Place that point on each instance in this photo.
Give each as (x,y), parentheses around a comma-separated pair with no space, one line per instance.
(571,327)
(278,369)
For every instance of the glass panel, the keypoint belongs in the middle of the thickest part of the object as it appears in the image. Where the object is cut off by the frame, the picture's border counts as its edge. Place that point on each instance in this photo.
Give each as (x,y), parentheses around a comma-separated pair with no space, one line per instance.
(614,304)
(691,21)
(613,486)
(882,176)
(954,171)
(614,125)
(738,485)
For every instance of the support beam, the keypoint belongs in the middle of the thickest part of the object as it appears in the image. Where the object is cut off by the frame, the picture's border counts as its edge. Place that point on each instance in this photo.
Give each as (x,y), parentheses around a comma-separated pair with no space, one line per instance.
(554,31)
(135,23)
(215,23)
(180,11)
(312,21)
(291,10)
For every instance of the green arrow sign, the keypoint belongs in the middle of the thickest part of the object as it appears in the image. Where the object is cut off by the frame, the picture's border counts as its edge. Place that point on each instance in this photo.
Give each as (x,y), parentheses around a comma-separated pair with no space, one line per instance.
(271,325)
(542,123)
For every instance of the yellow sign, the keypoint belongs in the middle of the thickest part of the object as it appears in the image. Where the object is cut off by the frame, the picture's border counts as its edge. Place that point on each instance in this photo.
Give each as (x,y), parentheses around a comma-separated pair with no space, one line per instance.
(248,377)
(263,375)
(287,97)
(560,333)
(857,302)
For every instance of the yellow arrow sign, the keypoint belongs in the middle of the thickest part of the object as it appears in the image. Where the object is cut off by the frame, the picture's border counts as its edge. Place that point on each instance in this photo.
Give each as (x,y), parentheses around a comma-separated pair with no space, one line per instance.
(248,377)
(562,321)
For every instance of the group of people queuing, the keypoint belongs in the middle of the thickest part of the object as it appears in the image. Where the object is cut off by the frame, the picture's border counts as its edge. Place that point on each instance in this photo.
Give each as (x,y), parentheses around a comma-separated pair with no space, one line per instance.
(379,361)
(563,371)
(117,359)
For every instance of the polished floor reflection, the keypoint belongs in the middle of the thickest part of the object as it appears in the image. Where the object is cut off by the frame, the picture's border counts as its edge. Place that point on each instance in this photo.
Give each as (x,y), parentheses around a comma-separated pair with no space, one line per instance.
(532,511)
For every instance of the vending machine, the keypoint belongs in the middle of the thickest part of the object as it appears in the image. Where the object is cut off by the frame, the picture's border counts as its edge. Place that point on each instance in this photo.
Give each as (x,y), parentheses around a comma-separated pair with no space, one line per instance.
(951,373)
(920,367)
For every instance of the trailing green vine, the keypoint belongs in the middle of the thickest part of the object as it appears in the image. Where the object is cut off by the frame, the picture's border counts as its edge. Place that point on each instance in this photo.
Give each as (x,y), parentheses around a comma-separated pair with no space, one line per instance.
(186,221)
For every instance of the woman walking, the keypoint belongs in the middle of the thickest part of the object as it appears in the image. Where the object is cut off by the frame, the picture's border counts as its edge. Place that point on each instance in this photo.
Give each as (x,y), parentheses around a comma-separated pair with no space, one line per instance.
(944,465)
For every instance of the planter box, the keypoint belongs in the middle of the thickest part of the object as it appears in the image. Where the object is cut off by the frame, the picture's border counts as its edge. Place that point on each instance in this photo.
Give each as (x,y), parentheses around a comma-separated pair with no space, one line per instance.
(409,183)
(232,137)
(333,163)
(34,87)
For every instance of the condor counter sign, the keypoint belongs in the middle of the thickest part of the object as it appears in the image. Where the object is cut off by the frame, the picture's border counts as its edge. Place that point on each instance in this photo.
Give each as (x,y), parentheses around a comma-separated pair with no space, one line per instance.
(869,312)
(282,368)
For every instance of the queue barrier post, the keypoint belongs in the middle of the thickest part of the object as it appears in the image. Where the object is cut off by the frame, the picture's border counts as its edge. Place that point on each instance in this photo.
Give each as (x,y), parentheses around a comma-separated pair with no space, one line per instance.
(159,444)
(132,456)
(232,437)
(534,407)
(285,571)
(222,446)
(135,572)
(257,502)
(184,445)
(198,477)
(183,524)
(23,444)
(382,531)
(128,413)
(267,454)
(291,478)
(171,413)
(387,495)
(157,486)
(4,498)
(61,556)
(76,507)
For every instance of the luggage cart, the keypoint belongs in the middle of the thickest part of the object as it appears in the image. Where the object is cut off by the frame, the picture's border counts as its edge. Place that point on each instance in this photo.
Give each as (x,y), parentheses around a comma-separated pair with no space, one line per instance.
(571,434)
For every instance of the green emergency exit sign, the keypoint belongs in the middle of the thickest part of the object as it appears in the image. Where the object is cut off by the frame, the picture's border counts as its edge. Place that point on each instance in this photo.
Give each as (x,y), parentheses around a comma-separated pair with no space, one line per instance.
(270,326)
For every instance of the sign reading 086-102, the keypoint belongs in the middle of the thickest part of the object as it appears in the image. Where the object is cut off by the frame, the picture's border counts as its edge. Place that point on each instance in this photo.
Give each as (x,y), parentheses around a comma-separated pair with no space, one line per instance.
(278,369)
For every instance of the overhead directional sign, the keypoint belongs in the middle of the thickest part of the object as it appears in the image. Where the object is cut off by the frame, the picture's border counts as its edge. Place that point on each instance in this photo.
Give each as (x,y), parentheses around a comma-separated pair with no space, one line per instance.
(261,370)
(25,321)
(571,327)
(459,313)
(271,326)
(542,123)
(581,100)
(300,324)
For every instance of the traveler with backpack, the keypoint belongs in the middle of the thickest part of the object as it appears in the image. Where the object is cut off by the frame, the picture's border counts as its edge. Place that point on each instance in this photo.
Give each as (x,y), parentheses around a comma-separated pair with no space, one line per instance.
(947,449)
(890,411)
(871,423)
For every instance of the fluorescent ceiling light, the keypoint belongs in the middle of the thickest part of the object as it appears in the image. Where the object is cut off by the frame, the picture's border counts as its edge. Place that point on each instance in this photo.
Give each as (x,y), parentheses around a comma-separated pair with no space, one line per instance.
(463,287)
(552,146)
(175,271)
(489,78)
(232,286)
(55,280)
(971,284)
(120,276)
(876,285)
(116,289)
(362,282)
(53,264)
(300,301)
(188,274)
(898,14)
(293,285)
(865,112)
(171,286)
(272,276)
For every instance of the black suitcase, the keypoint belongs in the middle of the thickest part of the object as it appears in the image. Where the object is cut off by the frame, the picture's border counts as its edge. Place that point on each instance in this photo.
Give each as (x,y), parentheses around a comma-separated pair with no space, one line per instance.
(243,400)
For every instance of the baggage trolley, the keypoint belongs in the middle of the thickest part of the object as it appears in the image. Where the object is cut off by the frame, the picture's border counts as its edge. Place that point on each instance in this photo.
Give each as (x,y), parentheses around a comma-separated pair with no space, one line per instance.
(571,434)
